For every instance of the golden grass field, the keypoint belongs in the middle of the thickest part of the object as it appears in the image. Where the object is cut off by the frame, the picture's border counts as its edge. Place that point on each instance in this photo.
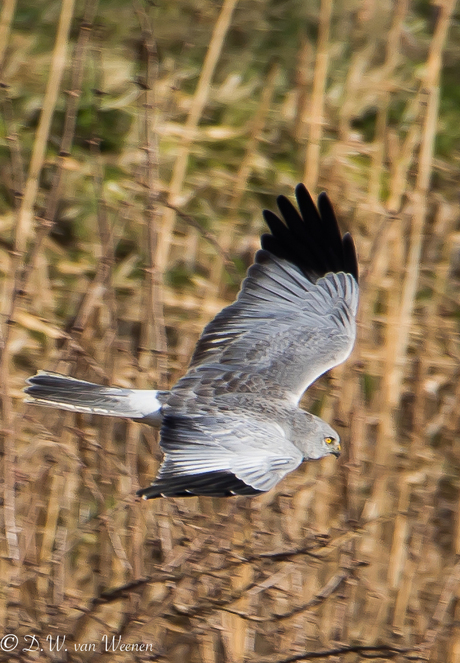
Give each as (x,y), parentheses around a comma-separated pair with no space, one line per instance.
(139,143)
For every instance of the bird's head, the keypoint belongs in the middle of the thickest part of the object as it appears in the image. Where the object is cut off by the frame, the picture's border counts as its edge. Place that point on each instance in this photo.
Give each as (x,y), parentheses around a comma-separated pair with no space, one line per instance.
(317,439)
(331,444)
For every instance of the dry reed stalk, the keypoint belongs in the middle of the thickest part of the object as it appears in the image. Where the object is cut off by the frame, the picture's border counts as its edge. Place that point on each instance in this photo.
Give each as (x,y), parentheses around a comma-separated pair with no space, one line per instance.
(23,229)
(28,545)
(153,331)
(431,85)
(58,63)
(226,235)
(73,98)
(17,165)
(378,152)
(400,322)
(395,34)
(303,80)
(22,274)
(453,655)
(316,117)
(110,549)
(209,646)
(378,503)
(442,229)
(401,166)
(397,354)
(10,545)
(354,446)
(235,630)
(44,579)
(196,110)
(412,567)
(448,594)
(6,18)
(398,554)
(60,578)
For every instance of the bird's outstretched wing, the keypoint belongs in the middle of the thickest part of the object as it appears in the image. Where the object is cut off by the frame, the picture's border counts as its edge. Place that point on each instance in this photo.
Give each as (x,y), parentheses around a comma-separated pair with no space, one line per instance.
(294,317)
(221,454)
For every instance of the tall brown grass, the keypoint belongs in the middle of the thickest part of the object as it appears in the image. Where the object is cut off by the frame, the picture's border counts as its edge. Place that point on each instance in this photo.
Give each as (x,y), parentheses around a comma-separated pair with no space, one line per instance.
(138,147)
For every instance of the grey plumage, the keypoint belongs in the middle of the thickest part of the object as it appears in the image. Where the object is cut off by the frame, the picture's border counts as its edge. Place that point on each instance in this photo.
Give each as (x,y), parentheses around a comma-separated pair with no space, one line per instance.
(232,424)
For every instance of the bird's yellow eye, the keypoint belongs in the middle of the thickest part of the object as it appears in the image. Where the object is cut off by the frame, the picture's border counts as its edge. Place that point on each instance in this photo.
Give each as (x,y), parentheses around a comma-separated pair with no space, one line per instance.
(329,440)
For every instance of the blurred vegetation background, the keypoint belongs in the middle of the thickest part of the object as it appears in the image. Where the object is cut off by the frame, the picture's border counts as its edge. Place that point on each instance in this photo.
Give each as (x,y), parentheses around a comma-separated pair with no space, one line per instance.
(139,142)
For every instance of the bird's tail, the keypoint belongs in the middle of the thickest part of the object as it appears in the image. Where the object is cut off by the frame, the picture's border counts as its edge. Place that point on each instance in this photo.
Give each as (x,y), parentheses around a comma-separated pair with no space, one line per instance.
(66,393)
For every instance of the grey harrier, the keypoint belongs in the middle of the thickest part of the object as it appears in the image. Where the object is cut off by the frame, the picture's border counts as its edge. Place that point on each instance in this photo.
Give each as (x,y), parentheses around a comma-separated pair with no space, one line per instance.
(232,425)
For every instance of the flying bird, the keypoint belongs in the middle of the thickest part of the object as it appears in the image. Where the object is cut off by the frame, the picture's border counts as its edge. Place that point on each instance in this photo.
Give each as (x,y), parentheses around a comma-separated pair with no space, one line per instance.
(232,424)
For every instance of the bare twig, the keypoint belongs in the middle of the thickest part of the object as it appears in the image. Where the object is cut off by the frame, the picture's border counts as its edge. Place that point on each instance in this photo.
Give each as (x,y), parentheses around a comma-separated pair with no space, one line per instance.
(389,651)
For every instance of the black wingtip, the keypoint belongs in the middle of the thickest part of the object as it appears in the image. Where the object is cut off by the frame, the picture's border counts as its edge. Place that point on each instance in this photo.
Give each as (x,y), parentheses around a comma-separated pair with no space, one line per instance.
(310,236)
(351,258)
(206,484)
